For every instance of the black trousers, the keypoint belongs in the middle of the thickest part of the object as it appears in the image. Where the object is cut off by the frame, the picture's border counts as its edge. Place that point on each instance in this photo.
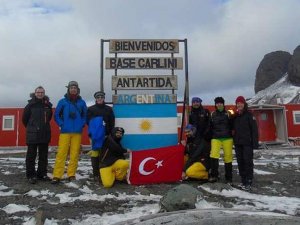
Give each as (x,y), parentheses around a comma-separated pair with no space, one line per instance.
(244,156)
(32,150)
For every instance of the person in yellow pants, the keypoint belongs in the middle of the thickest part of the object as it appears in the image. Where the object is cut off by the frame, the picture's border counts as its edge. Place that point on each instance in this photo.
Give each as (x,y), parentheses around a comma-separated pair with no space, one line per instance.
(221,126)
(113,165)
(70,116)
(196,156)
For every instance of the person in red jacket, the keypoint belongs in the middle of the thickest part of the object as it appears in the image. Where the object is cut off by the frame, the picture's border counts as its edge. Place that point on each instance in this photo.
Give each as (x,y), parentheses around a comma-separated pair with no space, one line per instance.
(245,137)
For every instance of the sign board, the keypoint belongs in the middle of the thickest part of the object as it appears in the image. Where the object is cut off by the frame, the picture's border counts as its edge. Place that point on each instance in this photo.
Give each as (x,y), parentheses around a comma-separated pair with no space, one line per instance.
(144,63)
(144,99)
(147,82)
(143,46)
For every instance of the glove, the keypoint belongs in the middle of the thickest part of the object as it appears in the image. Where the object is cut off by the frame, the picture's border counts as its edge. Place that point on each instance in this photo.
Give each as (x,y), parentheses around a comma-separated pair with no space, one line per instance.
(93,153)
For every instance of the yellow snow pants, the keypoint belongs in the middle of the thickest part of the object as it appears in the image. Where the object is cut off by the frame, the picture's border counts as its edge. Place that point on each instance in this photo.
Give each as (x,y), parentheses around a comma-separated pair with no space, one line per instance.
(116,171)
(216,145)
(68,144)
(197,170)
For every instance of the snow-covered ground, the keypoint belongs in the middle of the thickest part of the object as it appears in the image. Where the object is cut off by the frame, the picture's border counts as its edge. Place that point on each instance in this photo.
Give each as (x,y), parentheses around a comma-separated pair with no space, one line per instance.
(276,190)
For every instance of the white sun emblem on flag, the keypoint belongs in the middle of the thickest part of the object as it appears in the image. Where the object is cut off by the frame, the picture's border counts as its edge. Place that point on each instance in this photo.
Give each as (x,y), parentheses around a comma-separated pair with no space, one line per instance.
(145,125)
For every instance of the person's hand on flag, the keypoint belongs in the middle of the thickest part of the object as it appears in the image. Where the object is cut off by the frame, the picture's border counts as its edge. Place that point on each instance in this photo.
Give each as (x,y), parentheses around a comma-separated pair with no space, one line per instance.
(184,176)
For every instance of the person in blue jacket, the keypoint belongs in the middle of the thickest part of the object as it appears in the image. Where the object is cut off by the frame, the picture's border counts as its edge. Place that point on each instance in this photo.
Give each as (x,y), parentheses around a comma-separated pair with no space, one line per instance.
(101,121)
(70,116)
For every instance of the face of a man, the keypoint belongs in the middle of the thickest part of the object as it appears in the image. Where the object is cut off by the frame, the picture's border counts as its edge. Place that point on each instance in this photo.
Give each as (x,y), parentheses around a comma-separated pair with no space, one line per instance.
(188,133)
(119,134)
(39,93)
(73,90)
(220,106)
(100,100)
(240,106)
(196,105)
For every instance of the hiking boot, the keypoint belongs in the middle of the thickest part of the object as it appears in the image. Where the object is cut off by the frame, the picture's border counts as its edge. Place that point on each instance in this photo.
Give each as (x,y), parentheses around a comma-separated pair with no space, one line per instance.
(246,188)
(55,180)
(32,180)
(241,186)
(71,178)
(44,178)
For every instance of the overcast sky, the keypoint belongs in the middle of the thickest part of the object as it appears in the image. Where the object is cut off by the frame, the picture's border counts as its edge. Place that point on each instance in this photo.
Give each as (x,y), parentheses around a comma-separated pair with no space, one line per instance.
(49,43)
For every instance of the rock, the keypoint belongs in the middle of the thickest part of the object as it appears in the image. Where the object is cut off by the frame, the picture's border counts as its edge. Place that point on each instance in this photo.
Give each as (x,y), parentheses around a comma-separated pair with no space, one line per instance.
(39,217)
(273,66)
(294,67)
(180,198)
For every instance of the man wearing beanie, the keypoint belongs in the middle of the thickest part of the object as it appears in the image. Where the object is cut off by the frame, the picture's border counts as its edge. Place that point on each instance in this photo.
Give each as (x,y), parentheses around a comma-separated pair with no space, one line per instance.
(221,125)
(245,140)
(101,121)
(200,118)
(196,156)
(70,116)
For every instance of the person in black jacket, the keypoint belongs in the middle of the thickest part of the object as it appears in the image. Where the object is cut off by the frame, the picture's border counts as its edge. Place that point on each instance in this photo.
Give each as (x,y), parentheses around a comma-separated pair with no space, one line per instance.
(200,118)
(96,113)
(113,165)
(36,118)
(245,140)
(196,155)
(221,126)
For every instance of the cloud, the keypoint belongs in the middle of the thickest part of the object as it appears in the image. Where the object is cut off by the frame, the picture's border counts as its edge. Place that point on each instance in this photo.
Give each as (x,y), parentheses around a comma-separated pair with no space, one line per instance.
(51,42)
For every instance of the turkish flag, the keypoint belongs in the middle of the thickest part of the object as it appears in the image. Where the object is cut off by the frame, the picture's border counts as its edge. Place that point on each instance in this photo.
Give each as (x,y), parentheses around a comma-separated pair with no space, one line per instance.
(159,165)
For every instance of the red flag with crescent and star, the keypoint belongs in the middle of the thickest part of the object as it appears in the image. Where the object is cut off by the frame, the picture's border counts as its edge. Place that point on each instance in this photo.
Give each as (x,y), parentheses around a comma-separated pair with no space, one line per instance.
(159,165)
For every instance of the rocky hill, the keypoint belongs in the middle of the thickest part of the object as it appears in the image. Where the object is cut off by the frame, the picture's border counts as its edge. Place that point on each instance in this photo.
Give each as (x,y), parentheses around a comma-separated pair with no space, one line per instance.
(278,78)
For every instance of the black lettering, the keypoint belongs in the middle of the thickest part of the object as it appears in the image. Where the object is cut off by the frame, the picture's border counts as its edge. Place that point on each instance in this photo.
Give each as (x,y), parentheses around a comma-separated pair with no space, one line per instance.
(152,80)
(125,82)
(147,64)
(117,46)
(165,45)
(168,82)
(119,83)
(141,62)
(139,83)
(172,45)
(155,63)
(112,63)
(132,81)
(145,81)
(171,63)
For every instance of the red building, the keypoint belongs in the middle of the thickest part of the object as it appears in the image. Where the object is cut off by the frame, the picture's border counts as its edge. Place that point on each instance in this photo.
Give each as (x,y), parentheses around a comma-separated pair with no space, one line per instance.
(12,132)
(276,123)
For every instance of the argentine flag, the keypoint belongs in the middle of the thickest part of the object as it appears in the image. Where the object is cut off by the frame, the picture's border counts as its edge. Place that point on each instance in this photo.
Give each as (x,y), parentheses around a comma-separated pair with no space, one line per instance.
(147,125)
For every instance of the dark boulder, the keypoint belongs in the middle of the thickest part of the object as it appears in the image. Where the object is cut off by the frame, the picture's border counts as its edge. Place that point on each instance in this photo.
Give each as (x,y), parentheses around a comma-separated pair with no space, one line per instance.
(181,197)
(273,66)
(294,67)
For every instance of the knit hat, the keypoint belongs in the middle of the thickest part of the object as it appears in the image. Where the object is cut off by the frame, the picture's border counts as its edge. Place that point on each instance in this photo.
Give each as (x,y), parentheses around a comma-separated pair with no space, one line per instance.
(99,94)
(196,99)
(72,83)
(240,99)
(190,127)
(219,100)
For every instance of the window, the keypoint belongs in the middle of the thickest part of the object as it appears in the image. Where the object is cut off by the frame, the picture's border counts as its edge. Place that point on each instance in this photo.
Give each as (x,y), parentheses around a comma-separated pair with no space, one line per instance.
(8,123)
(296,117)
(264,116)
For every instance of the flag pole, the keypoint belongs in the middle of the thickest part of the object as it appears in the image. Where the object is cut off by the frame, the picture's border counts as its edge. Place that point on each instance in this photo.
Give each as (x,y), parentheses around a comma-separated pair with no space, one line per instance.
(185,109)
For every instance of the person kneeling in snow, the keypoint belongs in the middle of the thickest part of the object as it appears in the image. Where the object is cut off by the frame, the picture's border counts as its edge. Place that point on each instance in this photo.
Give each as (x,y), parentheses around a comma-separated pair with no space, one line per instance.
(113,165)
(196,156)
